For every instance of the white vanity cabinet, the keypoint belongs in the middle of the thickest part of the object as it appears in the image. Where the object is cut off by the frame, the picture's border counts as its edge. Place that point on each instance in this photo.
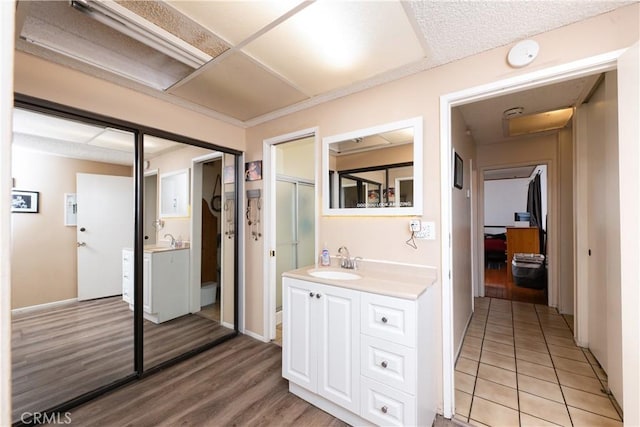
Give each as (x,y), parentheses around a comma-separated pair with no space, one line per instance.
(165,283)
(321,346)
(366,358)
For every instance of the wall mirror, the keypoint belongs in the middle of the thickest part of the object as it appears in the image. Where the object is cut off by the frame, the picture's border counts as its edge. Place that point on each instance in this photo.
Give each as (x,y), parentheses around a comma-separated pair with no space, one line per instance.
(374,171)
(174,194)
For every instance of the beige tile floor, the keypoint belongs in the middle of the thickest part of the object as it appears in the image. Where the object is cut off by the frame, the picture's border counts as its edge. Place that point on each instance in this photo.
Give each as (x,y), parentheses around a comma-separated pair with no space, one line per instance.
(519,366)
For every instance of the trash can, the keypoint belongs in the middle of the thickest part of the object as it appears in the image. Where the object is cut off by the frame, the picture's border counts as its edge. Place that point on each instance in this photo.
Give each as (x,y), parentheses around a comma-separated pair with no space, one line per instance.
(529,270)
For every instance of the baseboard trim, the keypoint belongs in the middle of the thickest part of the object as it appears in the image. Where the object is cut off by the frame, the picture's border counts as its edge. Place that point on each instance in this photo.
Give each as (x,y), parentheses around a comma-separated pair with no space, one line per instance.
(459,349)
(255,336)
(44,306)
(228,325)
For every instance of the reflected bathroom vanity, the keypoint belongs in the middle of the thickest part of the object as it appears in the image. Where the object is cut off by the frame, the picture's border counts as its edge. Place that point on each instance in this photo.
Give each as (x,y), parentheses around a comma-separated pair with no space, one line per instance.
(165,282)
(361,346)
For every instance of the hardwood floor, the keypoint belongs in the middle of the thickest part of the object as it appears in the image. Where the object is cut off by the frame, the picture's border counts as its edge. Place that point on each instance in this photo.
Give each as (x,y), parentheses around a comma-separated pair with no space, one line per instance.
(496,285)
(73,349)
(238,383)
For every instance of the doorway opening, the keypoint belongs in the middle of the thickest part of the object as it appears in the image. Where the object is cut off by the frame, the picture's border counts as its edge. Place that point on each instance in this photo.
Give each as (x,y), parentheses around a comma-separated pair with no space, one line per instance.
(514,233)
(291,216)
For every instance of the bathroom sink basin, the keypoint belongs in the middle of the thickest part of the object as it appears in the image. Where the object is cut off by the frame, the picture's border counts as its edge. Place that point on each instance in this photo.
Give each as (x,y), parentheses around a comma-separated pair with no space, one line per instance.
(334,275)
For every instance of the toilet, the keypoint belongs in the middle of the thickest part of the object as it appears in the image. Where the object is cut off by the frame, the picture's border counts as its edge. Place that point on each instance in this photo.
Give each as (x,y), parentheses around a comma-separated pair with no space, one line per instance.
(208,292)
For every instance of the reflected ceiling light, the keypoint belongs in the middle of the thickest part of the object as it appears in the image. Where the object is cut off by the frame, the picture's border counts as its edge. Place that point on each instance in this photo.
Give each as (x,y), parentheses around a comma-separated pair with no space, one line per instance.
(126,22)
(540,122)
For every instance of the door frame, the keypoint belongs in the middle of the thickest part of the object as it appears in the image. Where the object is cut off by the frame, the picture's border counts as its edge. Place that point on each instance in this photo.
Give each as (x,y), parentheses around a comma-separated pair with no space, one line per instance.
(590,65)
(269,263)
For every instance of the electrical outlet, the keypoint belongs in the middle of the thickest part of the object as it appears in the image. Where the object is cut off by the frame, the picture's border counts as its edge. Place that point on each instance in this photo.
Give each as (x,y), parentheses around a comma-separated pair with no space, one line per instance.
(415,226)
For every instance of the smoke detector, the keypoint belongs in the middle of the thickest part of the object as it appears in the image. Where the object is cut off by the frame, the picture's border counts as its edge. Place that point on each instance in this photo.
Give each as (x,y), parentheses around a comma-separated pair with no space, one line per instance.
(512,112)
(523,53)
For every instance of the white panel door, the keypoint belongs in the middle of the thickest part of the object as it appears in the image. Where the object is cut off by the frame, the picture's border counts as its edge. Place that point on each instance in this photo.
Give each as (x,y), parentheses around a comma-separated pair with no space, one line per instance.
(339,346)
(105,227)
(299,361)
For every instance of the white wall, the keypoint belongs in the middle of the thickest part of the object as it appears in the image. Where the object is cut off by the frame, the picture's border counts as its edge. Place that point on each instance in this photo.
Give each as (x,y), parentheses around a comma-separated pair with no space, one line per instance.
(461,231)
(629,159)
(503,197)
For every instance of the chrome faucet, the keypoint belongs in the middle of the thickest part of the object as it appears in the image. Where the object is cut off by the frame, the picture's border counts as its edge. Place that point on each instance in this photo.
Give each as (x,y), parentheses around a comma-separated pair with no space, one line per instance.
(173,240)
(345,259)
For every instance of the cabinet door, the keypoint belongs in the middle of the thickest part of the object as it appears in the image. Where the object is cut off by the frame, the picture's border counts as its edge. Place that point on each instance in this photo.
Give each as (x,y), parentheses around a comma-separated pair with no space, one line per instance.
(339,345)
(299,359)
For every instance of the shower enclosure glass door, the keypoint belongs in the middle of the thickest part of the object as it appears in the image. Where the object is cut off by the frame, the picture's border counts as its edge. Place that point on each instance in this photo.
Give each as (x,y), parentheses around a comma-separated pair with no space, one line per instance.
(295,228)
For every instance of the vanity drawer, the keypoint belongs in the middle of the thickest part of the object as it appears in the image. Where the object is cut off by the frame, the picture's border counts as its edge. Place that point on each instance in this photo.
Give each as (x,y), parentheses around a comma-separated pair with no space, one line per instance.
(386,406)
(393,319)
(389,363)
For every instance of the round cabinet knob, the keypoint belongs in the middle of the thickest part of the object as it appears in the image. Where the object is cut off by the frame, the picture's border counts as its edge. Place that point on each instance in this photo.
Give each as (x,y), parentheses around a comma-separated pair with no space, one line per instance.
(384,364)
(311,294)
(83,229)
(384,409)
(318,296)
(384,320)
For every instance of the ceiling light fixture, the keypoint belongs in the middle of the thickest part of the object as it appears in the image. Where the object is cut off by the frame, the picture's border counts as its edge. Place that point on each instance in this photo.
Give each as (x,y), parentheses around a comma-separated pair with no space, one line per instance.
(128,23)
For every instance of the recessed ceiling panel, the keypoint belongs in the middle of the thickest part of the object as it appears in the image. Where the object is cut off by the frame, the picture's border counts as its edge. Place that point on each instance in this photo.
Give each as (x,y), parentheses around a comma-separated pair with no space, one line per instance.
(115,139)
(235,21)
(329,45)
(238,87)
(58,27)
(540,122)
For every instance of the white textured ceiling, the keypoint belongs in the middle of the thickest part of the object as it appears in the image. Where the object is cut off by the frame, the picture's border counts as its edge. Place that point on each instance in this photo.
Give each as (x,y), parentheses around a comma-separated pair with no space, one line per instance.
(274,62)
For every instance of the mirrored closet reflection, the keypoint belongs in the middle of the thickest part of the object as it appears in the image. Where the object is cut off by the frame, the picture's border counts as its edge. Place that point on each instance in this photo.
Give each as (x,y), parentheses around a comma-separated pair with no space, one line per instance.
(73,262)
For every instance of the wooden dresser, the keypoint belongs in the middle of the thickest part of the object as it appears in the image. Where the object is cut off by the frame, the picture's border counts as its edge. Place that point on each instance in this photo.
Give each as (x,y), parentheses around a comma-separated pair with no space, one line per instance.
(521,240)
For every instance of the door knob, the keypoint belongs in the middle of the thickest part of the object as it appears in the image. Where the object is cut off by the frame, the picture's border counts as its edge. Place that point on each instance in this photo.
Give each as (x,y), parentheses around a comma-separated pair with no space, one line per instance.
(81,244)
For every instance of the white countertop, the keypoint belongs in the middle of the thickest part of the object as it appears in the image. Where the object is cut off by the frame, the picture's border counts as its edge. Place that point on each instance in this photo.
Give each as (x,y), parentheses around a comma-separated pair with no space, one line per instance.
(395,280)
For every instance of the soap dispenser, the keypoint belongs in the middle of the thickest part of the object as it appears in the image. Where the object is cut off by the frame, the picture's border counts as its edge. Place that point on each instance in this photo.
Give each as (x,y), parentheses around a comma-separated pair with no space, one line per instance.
(325,258)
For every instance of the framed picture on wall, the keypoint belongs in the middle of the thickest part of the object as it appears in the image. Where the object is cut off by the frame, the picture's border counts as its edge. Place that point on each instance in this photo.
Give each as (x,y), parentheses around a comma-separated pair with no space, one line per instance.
(253,170)
(458,168)
(24,201)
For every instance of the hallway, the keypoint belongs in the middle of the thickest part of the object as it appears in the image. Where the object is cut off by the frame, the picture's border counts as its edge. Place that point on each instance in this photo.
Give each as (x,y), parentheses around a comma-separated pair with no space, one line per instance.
(519,366)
